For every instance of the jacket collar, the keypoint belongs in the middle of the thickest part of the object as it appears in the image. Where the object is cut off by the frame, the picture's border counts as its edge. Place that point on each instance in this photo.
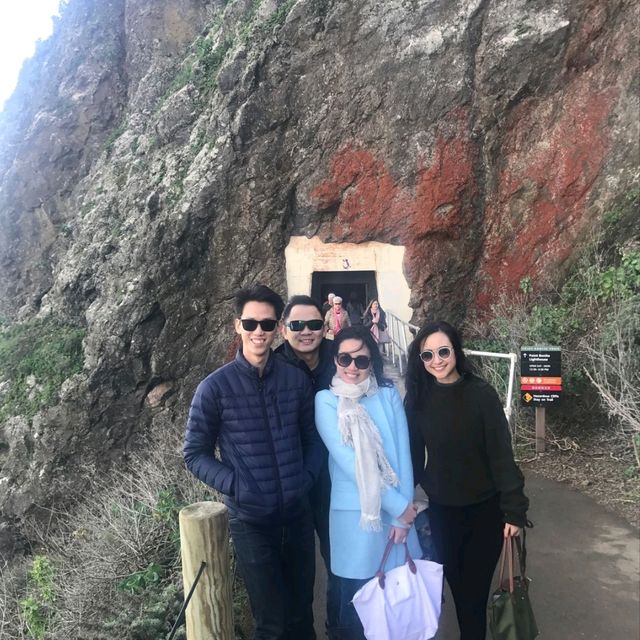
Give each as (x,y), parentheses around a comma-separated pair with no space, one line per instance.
(325,352)
(248,369)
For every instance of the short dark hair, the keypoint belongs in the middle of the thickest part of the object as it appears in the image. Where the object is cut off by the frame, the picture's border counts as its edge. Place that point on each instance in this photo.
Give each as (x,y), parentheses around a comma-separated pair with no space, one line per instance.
(302,300)
(257,293)
(418,380)
(358,332)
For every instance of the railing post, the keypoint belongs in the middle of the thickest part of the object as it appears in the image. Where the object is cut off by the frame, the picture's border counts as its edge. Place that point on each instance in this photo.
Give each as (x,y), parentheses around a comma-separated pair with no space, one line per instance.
(204,535)
(392,344)
(403,348)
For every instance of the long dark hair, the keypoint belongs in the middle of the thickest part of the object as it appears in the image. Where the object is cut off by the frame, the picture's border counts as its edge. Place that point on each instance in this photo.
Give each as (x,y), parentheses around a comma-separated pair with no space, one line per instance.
(358,332)
(368,309)
(418,381)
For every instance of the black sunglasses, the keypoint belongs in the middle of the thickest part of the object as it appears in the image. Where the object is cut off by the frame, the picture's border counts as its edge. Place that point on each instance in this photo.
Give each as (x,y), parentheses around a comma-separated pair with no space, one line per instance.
(443,354)
(299,325)
(249,324)
(345,359)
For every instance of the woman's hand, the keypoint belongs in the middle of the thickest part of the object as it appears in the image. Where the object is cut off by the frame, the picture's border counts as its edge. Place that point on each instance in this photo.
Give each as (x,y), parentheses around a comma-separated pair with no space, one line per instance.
(398,535)
(510,530)
(409,514)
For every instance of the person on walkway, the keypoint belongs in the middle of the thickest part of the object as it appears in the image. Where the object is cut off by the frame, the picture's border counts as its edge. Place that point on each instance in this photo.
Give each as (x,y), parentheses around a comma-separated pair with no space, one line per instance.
(258,411)
(306,348)
(336,319)
(475,489)
(375,320)
(328,304)
(362,422)
(355,309)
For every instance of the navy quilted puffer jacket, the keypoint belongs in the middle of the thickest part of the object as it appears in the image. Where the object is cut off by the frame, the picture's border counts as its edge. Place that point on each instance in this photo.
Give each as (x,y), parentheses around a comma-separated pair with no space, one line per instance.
(269,450)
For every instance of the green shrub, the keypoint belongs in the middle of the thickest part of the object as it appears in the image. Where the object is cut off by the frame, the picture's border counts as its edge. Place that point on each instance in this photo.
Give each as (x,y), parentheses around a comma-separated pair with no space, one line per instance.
(36,357)
(592,316)
(149,616)
(201,67)
(619,281)
(137,582)
(36,608)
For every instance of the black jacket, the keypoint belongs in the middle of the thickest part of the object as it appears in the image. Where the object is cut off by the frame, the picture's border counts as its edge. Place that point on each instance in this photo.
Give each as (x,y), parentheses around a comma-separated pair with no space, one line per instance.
(322,375)
(269,450)
(468,443)
(367,320)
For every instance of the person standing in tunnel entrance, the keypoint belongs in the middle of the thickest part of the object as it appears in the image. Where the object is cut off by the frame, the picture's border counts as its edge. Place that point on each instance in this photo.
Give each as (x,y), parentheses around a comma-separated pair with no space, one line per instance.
(306,348)
(258,411)
(328,304)
(375,319)
(355,309)
(336,319)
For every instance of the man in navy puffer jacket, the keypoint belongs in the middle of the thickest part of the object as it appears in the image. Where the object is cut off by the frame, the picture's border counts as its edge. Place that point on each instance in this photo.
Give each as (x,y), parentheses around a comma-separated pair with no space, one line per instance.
(258,410)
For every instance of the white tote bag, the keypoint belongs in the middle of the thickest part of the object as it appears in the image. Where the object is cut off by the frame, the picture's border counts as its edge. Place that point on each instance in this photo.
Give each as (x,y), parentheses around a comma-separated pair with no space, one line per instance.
(402,604)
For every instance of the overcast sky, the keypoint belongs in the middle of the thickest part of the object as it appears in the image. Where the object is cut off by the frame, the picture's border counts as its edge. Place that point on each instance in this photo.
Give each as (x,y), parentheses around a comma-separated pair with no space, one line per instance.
(22,23)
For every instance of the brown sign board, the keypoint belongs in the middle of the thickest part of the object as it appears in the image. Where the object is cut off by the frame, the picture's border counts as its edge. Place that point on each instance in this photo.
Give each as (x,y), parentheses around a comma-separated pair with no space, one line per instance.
(540,375)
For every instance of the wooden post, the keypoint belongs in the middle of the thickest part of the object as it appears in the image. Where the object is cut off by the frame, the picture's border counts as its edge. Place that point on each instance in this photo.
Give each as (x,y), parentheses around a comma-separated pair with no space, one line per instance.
(540,430)
(204,536)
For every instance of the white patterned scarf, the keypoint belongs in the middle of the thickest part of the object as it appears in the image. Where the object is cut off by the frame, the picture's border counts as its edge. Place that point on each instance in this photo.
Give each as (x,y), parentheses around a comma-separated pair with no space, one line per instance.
(359,431)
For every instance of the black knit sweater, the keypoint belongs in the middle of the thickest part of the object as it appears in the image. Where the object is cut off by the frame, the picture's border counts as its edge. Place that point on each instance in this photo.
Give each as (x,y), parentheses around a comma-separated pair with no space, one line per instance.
(468,444)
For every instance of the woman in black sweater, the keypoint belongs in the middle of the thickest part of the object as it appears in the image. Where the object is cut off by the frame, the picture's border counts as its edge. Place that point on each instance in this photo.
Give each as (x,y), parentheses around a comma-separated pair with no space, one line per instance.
(474,486)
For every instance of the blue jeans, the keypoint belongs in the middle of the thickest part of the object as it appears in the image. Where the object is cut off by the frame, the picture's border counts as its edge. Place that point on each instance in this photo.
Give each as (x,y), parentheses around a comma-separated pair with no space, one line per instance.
(346,623)
(423,529)
(277,564)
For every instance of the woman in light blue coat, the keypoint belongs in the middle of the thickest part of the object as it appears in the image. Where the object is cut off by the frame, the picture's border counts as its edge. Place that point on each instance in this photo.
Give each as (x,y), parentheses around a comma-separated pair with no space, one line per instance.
(362,422)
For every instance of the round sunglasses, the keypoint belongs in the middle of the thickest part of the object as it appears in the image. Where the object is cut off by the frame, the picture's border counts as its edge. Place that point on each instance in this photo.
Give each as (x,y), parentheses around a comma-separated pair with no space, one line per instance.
(299,325)
(249,324)
(345,359)
(443,353)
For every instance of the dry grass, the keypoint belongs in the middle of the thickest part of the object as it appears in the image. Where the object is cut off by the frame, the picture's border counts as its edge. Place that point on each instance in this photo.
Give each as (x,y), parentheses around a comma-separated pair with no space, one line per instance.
(115,553)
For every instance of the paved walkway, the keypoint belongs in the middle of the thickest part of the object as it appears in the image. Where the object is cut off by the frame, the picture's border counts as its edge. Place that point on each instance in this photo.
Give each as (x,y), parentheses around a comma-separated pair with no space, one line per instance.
(584,563)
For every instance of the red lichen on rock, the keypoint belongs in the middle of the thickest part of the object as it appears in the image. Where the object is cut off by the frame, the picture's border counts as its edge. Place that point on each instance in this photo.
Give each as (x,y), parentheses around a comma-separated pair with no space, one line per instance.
(552,156)
(372,204)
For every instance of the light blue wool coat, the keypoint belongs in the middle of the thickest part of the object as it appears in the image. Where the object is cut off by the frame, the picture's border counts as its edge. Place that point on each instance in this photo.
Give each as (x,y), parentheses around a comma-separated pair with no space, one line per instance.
(355,552)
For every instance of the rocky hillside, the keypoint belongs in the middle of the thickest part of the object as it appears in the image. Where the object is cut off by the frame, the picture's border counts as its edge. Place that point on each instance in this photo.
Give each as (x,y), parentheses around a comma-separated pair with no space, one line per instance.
(157,155)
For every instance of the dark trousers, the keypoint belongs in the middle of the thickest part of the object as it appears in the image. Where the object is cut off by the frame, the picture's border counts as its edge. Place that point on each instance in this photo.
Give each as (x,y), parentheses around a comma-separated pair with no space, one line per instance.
(320,498)
(468,541)
(346,623)
(277,564)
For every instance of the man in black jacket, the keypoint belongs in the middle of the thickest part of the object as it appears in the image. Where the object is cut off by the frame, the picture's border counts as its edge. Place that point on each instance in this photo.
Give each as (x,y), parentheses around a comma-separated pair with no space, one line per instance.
(258,410)
(306,348)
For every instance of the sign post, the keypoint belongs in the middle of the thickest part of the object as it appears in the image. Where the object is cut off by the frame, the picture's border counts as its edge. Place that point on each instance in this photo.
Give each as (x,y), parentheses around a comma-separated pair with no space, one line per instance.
(540,384)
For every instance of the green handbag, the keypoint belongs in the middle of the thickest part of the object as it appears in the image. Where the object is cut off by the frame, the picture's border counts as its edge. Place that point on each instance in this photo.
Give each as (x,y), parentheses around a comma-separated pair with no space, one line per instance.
(510,613)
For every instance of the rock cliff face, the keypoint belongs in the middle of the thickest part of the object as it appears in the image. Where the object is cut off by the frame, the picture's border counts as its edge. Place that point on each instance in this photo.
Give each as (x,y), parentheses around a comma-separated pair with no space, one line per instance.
(157,155)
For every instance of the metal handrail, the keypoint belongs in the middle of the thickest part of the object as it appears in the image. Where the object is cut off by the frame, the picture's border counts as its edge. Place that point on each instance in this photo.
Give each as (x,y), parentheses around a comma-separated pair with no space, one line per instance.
(513,359)
(398,330)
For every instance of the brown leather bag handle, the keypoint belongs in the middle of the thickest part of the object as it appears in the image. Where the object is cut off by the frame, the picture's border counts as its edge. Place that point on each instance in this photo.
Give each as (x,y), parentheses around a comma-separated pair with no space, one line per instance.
(510,546)
(507,552)
(385,556)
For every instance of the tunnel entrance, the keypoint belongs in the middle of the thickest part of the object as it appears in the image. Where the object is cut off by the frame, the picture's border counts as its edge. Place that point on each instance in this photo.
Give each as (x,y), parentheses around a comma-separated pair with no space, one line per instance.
(367,269)
(360,284)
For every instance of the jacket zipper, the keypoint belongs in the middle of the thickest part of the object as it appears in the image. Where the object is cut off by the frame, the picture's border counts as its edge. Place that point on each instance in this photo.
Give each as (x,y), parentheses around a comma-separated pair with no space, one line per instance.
(273,448)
